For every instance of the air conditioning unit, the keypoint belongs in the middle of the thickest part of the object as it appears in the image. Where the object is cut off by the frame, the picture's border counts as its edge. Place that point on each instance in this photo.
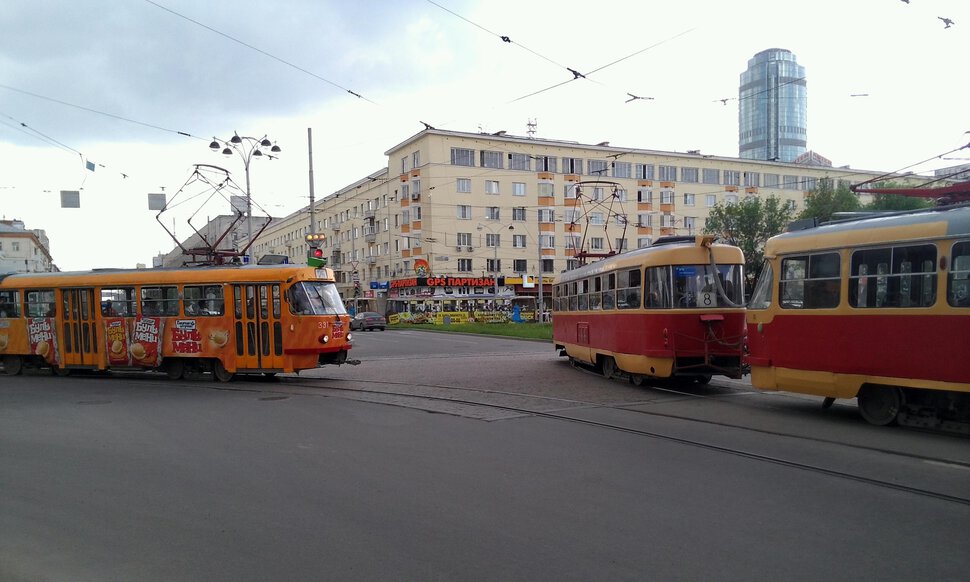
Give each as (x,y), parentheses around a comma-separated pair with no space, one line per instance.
(458,249)
(415,195)
(469,249)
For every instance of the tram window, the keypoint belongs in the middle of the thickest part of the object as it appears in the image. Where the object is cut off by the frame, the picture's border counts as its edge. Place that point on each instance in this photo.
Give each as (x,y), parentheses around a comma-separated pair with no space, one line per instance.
(903,276)
(659,294)
(761,297)
(118,302)
(202,300)
(628,289)
(810,281)
(10,303)
(40,303)
(609,291)
(958,282)
(159,301)
(315,298)
(596,296)
(584,295)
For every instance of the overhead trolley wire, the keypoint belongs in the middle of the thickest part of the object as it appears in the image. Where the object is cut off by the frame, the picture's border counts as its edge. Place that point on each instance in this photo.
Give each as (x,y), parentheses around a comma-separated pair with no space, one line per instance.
(260,51)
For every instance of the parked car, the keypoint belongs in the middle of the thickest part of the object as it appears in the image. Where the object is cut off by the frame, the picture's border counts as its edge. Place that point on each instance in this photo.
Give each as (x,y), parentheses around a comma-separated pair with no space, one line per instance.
(367,320)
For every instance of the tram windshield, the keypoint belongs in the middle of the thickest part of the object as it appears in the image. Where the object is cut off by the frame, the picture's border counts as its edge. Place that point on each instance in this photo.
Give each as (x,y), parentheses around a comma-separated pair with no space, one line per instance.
(315,298)
(696,285)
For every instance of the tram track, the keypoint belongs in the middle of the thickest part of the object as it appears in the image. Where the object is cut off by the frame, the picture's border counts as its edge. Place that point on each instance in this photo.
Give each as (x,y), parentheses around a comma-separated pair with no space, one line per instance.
(575,405)
(287,387)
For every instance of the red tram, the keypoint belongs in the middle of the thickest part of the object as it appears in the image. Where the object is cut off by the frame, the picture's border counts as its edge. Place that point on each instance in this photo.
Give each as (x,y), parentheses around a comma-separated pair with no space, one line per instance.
(673,309)
(875,309)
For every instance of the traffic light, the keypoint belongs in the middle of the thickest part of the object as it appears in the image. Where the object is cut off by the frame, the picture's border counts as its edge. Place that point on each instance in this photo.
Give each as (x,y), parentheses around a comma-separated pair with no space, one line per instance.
(314,254)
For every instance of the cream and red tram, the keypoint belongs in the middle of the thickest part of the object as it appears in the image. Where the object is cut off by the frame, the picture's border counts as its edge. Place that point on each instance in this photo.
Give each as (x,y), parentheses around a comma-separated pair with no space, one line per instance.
(875,309)
(673,309)
(223,320)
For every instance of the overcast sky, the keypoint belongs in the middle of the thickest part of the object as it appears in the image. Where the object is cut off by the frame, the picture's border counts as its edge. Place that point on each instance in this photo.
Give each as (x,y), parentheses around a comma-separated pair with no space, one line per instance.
(119,83)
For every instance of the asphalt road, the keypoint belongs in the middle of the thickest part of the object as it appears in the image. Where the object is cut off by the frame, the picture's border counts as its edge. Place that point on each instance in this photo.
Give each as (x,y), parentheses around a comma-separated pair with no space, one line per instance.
(390,471)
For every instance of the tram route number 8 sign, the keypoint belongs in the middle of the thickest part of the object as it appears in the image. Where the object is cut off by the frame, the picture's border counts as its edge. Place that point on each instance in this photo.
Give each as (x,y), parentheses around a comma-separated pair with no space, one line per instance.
(707,299)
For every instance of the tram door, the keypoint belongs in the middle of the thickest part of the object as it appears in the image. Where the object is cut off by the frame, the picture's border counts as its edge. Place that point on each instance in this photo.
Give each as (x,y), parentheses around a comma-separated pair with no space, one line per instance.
(78,334)
(258,331)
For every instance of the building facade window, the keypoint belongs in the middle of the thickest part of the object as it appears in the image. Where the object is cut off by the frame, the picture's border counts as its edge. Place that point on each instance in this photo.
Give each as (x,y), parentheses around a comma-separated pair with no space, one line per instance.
(668,173)
(710,176)
(711,200)
(689,175)
(520,162)
(491,187)
(518,214)
(690,224)
(518,241)
(644,171)
(546,164)
(547,215)
(462,157)
(572,165)
(732,178)
(518,188)
(520,265)
(688,199)
(493,213)
(464,212)
(491,159)
(463,185)
(546,188)
(596,167)
(464,265)
(622,169)
(752,180)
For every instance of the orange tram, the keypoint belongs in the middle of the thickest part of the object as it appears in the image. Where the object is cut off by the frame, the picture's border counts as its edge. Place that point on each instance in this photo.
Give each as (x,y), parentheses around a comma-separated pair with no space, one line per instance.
(673,309)
(220,320)
(875,309)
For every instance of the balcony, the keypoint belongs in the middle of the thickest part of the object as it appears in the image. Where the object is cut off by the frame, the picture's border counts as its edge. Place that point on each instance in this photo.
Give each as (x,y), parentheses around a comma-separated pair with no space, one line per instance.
(372,260)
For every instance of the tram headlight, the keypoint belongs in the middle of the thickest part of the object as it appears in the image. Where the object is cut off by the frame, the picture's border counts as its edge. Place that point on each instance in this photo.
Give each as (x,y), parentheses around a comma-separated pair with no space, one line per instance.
(324,339)
(350,337)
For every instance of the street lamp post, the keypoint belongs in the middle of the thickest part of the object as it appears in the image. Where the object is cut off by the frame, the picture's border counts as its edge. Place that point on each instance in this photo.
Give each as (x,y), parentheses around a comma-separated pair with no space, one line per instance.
(494,260)
(247,148)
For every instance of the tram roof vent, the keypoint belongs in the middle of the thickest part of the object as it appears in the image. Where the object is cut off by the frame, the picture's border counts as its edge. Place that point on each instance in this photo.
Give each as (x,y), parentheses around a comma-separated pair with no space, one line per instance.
(673,240)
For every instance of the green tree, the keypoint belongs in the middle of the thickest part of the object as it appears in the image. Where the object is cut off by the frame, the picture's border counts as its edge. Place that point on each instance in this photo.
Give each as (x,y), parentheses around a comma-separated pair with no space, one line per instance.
(749,224)
(826,200)
(890,202)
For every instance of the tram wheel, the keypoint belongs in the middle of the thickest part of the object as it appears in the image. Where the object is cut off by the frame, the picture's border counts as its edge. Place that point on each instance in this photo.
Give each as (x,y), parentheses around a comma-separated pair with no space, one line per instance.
(702,380)
(608,366)
(880,405)
(637,379)
(12,365)
(62,372)
(175,368)
(220,373)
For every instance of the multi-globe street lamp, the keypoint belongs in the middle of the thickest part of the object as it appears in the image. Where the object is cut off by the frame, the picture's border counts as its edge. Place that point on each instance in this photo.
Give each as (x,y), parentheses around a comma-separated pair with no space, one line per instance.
(247,148)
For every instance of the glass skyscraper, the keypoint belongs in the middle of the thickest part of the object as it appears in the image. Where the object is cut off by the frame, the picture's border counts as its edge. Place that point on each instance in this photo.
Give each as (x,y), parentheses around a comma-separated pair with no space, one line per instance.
(773,104)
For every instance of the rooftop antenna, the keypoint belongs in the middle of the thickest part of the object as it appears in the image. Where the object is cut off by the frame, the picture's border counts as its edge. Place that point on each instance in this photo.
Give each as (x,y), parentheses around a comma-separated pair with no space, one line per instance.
(531,128)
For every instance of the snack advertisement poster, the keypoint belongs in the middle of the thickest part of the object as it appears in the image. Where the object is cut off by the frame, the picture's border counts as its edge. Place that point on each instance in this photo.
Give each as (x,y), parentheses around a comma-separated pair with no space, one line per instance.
(41,331)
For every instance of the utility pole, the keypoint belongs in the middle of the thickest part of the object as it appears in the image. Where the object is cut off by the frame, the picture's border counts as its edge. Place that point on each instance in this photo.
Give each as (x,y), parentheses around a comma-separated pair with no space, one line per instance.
(309,142)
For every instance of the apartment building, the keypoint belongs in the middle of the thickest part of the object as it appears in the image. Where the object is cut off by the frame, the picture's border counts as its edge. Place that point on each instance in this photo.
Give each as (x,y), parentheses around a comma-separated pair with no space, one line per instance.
(467,205)
(22,250)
